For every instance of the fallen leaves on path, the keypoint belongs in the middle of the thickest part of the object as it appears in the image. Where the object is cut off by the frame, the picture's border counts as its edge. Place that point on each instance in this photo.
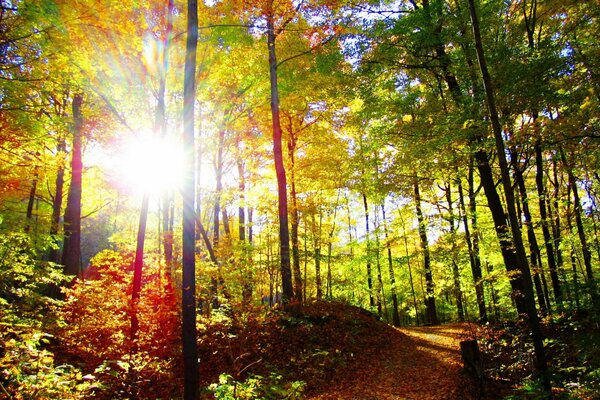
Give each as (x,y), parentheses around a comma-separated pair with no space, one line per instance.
(410,363)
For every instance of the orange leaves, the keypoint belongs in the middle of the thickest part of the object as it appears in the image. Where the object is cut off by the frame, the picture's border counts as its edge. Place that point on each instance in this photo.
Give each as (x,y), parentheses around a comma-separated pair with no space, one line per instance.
(97,319)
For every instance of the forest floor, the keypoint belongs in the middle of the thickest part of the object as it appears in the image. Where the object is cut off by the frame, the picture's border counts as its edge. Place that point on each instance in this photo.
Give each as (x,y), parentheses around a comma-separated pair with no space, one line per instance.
(415,363)
(343,352)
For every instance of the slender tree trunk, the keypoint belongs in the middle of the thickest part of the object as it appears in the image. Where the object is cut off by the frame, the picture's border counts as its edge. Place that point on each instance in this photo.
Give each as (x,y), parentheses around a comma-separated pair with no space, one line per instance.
(284,235)
(572,251)
(458,295)
(31,202)
(161,123)
(381,299)
(188,284)
(57,200)
(295,219)
(432,317)
(388,245)
(245,259)
(328,290)
(368,239)
(585,248)
(218,188)
(548,239)
(410,275)
(473,256)
(534,250)
(71,257)
(138,265)
(534,325)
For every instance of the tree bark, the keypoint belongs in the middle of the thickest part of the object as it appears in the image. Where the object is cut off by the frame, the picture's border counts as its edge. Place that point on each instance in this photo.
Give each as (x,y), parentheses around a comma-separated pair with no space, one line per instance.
(368,240)
(71,257)
(57,200)
(388,245)
(585,248)
(284,235)
(188,285)
(474,259)
(31,202)
(295,218)
(432,317)
(548,239)
(534,250)
(138,265)
(517,241)
(458,295)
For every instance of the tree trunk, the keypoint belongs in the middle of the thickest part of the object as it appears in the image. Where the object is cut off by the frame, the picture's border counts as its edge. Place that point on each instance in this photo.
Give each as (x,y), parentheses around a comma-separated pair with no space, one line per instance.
(295,218)
(245,250)
(585,249)
(138,265)
(317,250)
(521,258)
(188,284)
(388,245)
(410,275)
(534,250)
(432,317)
(284,236)
(474,259)
(31,202)
(57,200)
(161,123)
(71,257)
(458,295)
(368,240)
(548,239)
(218,188)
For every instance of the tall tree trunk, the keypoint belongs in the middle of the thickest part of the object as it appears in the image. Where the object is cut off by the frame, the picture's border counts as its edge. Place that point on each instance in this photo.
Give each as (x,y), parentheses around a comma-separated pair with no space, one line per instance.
(572,252)
(246,266)
(316,234)
(161,123)
(410,275)
(284,235)
(474,258)
(328,290)
(295,218)
(388,245)
(534,325)
(57,200)
(534,250)
(381,301)
(31,202)
(368,240)
(138,265)
(432,317)
(458,295)
(585,249)
(218,189)
(188,284)
(543,205)
(71,257)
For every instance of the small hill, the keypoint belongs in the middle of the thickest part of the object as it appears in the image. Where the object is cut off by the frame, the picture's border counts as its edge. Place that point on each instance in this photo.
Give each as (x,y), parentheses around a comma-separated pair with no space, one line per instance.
(339,351)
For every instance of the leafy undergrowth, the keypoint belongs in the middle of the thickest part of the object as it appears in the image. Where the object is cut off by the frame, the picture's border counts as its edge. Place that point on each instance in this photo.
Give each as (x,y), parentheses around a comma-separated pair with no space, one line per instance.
(573,351)
(327,350)
(318,344)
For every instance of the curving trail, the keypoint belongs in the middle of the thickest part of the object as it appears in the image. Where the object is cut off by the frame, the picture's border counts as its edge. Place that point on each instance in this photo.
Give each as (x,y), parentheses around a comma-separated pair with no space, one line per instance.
(409,364)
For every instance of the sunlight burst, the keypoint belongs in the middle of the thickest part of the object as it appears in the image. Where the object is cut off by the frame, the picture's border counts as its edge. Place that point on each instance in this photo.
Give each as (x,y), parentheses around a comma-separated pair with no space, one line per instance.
(151,164)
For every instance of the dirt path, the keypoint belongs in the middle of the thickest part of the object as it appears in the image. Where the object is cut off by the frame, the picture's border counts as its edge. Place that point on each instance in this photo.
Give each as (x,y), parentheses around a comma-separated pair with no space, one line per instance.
(412,363)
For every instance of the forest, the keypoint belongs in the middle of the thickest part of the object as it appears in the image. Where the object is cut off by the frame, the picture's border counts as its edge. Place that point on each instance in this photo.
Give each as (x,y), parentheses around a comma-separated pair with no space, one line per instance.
(290,199)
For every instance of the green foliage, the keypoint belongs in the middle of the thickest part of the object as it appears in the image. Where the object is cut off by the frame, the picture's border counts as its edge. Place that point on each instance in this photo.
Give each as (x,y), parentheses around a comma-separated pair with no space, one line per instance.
(29,370)
(25,280)
(256,387)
